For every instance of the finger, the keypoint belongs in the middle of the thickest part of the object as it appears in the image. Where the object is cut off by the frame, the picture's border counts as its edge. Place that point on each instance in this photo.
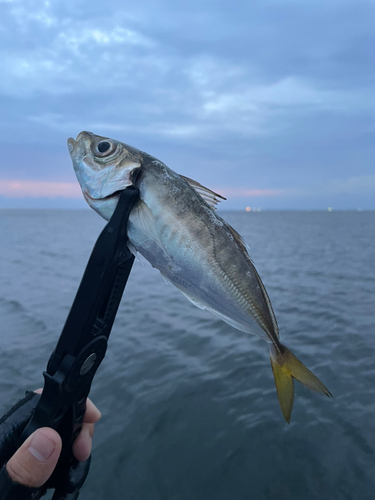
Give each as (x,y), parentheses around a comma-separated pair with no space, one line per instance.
(83,444)
(92,414)
(34,462)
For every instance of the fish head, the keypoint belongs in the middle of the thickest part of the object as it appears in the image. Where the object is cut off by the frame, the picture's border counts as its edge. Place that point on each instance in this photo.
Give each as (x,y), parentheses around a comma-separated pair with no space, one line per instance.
(104,167)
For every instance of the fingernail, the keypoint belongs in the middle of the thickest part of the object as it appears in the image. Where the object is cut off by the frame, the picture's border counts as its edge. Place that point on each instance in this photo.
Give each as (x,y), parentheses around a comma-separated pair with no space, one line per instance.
(41,447)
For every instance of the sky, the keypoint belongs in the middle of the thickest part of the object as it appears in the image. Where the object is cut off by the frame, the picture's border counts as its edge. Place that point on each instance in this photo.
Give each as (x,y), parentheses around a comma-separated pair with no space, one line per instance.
(270,103)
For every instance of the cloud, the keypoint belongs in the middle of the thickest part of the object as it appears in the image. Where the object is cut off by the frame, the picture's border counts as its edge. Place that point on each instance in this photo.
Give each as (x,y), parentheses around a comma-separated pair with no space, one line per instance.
(61,55)
(46,189)
(364,184)
(133,69)
(77,42)
(39,189)
(359,185)
(278,93)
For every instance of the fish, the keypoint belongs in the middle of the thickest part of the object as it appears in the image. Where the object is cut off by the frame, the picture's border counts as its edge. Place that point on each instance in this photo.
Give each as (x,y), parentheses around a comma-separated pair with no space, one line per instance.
(174,225)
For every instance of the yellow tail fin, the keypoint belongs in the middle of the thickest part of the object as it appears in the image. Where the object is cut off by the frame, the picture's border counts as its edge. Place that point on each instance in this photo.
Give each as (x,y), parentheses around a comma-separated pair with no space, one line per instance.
(286,367)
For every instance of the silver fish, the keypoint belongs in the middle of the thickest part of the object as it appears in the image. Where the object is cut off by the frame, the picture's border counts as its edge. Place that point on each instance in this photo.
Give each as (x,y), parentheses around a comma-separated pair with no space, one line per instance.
(175,227)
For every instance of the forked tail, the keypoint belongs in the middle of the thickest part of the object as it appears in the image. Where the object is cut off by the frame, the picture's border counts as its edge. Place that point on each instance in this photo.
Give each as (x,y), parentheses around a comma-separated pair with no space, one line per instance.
(286,367)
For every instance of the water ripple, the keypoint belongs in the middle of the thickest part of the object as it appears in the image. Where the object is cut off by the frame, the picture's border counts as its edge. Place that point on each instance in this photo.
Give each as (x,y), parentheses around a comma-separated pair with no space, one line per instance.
(189,404)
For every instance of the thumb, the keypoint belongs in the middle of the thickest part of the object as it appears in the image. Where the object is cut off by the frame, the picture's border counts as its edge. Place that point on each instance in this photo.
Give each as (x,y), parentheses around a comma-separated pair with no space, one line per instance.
(34,462)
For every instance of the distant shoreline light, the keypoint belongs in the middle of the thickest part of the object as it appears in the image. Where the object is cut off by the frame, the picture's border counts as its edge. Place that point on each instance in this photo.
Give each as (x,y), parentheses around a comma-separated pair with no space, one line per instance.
(255,209)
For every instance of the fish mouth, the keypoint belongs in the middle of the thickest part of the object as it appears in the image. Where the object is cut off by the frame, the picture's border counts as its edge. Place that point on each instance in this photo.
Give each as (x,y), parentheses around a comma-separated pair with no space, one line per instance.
(82,138)
(71,144)
(109,197)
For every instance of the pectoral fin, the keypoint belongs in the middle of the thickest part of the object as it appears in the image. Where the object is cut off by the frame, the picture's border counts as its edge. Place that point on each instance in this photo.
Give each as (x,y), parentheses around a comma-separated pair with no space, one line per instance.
(146,223)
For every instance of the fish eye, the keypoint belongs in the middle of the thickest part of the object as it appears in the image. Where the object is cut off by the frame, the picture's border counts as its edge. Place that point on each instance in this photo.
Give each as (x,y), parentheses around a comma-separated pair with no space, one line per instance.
(105,148)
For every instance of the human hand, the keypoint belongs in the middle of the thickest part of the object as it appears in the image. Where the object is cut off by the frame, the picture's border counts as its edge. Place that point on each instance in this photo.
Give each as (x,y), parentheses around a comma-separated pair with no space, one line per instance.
(34,462)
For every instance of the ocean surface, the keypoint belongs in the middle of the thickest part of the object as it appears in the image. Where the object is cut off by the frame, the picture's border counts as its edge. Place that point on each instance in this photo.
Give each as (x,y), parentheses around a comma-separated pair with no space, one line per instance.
(189,405)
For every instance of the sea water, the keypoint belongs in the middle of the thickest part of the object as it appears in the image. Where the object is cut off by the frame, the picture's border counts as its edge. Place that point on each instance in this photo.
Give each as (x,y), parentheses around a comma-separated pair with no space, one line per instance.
(189,405)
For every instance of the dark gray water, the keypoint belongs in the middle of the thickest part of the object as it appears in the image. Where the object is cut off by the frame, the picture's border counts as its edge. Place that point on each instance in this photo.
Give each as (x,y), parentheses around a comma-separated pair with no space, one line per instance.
(189,406)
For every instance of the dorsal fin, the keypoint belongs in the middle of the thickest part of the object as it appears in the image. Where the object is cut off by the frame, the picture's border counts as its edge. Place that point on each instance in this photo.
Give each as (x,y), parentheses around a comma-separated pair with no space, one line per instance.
(209,196)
